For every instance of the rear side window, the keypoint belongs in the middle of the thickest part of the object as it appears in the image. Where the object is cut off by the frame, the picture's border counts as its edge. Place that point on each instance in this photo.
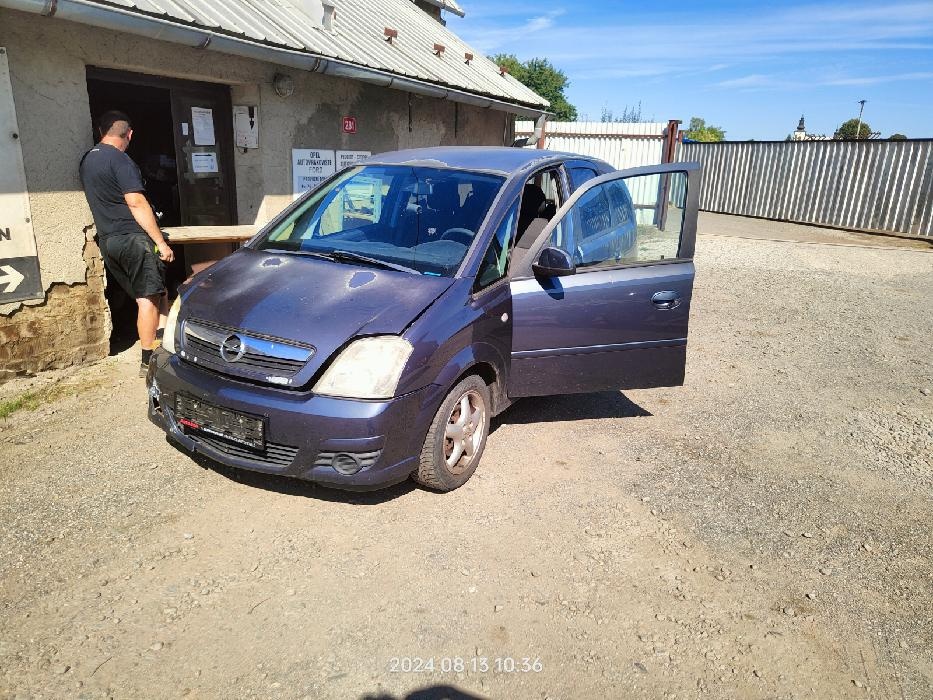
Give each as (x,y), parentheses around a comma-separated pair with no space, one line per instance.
(579,175)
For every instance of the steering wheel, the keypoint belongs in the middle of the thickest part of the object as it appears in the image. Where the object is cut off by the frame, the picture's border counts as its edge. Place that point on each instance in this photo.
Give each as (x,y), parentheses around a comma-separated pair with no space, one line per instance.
(459,235)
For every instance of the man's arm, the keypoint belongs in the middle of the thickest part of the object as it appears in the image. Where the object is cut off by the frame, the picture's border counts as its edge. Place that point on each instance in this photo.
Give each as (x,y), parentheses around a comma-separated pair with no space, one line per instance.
(142,212)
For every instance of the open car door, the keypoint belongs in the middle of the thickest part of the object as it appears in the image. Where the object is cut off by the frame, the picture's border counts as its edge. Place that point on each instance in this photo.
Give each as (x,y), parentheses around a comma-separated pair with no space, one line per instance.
(601,298)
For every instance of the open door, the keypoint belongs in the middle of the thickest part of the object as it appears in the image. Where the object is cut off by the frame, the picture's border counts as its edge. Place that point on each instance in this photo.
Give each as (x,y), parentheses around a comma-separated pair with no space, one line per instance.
(614,313)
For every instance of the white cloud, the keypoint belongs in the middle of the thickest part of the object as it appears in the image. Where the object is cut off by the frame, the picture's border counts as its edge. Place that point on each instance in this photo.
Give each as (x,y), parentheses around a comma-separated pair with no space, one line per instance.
(879,79)
(755,80)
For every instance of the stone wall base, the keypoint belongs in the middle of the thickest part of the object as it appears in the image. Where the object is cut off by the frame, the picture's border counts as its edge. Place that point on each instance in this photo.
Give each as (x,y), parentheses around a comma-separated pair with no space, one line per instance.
(70,327)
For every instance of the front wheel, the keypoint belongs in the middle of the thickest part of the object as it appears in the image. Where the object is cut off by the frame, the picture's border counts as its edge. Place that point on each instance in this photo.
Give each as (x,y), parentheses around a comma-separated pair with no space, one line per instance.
(457,437)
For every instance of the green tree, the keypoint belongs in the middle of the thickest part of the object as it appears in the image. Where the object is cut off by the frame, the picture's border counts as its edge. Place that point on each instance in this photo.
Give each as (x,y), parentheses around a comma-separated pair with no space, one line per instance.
(850,129)
(701,131)
(542,77)
(897,137)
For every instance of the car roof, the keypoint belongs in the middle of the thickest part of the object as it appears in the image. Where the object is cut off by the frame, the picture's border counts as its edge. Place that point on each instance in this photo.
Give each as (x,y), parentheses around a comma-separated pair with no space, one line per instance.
(500,159)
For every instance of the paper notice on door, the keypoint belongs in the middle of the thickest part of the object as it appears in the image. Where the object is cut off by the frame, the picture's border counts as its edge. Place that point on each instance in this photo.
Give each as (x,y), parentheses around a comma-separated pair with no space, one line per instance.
(204,162)
(202,122)
(184,128)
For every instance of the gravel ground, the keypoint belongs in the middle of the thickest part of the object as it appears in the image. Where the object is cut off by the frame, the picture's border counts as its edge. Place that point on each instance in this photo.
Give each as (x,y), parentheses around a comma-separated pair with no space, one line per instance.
(762,532)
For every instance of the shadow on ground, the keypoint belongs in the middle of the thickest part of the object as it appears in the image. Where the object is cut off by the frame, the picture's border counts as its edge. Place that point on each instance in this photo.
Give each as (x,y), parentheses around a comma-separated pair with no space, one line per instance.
(433,692)
(570,407)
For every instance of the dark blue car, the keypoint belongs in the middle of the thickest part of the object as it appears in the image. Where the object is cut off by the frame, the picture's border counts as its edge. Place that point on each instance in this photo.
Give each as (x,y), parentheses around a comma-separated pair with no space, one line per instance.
(371,330)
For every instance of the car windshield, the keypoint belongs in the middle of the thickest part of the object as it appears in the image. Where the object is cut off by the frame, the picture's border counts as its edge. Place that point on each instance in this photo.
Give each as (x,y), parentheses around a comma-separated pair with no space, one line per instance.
(417,219)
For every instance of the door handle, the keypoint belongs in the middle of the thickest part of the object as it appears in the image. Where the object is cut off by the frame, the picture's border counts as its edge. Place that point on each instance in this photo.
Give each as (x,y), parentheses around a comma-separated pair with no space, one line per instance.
(665,300)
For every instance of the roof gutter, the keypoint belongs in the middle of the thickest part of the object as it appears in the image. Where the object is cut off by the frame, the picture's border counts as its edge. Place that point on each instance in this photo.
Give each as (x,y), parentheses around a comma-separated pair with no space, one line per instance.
(121,20)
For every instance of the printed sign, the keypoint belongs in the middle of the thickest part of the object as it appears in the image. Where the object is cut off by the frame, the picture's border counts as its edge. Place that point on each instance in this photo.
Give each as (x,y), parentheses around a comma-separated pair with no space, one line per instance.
(246,126)
(349,125)
(202,123)
(310,167)
(205,162)
(347,158)
(19,263)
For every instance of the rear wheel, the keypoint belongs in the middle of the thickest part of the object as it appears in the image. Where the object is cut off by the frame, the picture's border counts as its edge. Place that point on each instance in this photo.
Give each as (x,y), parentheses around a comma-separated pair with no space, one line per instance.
(457,438)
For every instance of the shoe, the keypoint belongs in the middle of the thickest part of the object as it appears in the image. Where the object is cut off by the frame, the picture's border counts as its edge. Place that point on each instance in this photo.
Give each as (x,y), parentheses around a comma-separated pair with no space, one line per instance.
(143,369)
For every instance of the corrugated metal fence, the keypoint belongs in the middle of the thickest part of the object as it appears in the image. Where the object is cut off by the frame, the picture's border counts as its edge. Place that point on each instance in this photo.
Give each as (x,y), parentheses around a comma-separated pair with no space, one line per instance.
(620,145)
(867,185)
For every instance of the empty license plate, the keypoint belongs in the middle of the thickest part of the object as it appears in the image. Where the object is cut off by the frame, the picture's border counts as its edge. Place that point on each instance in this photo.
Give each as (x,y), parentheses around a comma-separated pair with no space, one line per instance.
(242,428)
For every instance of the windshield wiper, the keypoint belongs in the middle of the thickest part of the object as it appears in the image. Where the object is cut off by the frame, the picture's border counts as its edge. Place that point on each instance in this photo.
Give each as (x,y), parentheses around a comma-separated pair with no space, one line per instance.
(349,256)
(298,251)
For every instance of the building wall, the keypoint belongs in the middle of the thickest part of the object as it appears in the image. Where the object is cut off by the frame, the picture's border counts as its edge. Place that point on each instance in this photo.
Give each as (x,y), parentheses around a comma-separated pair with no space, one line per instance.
(48,58)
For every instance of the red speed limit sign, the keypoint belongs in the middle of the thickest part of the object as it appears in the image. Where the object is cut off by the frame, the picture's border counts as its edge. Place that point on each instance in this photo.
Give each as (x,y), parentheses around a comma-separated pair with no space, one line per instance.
(349,125)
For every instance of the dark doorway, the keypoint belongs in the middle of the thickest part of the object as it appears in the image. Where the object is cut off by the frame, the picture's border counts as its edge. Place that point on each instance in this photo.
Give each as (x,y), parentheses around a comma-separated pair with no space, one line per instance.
(181,190)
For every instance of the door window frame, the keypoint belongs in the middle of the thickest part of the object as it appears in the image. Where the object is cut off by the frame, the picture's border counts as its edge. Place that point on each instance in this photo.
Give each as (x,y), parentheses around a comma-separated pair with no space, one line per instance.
(514,206)
(686,245)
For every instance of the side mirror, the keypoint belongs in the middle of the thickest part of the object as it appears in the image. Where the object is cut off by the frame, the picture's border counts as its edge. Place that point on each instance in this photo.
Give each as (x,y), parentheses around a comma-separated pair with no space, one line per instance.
(553,262)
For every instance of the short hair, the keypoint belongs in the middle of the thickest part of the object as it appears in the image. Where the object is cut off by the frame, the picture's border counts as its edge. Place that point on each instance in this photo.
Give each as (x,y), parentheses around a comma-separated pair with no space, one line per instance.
(111,119)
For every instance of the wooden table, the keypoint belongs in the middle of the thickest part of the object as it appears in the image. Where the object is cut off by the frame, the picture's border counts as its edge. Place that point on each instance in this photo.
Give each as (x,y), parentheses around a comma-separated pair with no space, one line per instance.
(186,235)
(205,245)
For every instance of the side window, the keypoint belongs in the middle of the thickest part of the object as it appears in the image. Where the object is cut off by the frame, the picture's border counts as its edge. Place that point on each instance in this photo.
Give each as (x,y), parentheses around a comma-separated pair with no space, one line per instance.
(496,259)
(632,220)
(579,175)
(659,202)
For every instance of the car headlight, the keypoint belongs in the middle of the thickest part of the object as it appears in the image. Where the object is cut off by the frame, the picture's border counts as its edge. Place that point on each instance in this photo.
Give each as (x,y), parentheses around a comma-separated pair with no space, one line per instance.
(368,368)
(171,323)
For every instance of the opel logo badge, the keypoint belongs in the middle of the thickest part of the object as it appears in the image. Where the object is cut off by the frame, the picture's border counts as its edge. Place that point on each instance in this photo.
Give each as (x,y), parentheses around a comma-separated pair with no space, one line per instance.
(232,348)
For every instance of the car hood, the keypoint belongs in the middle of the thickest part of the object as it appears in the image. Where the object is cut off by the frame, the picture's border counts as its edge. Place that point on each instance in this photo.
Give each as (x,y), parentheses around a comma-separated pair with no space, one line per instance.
(314,302)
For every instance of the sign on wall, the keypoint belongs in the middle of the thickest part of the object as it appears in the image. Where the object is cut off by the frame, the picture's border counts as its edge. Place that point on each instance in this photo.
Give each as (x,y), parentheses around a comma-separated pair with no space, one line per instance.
(347,158)
(19,263)
(246,126)
(310,167)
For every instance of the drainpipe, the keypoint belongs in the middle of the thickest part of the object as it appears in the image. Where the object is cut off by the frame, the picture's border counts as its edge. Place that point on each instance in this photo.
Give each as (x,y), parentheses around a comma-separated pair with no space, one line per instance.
(120,20)
(540,126)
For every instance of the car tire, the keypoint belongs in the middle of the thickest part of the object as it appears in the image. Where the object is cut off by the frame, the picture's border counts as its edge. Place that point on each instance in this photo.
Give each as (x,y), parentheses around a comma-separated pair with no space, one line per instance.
(457,437)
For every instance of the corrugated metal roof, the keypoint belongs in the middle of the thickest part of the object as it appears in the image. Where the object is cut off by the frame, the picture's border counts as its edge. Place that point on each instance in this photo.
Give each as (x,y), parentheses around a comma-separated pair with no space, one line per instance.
(357,38)
(448,5)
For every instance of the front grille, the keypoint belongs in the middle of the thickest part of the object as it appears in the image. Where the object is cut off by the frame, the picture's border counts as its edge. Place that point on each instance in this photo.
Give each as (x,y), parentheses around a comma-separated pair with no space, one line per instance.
(260,356)
(279,366)
(365,459)
(274,454)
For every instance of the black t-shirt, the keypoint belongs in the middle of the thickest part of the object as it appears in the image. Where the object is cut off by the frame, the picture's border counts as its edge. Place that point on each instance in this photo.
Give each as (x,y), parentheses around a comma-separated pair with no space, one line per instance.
(107,174)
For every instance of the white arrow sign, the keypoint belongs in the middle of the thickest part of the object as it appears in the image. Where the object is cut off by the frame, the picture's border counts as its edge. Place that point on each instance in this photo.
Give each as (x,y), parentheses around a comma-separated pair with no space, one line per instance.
(11,278)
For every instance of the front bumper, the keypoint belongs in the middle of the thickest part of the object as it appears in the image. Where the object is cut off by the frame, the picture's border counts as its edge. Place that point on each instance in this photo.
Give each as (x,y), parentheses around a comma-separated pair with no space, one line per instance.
(304,431)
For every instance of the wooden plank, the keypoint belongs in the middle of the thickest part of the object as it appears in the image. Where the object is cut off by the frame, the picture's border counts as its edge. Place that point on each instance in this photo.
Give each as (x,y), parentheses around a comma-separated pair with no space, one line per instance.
(209,234)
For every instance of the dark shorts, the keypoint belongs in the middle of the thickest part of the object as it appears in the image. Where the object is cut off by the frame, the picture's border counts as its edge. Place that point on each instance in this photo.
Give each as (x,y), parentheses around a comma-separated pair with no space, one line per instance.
(134,264)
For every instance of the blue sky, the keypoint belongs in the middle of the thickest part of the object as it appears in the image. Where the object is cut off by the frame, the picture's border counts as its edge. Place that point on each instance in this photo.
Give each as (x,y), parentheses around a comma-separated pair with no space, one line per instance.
(751,68)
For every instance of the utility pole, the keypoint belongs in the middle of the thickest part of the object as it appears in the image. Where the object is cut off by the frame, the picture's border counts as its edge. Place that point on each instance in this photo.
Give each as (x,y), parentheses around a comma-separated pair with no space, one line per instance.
(858,129)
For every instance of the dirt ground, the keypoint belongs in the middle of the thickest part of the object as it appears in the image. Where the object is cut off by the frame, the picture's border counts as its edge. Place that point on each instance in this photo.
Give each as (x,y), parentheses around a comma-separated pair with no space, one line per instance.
(762,532)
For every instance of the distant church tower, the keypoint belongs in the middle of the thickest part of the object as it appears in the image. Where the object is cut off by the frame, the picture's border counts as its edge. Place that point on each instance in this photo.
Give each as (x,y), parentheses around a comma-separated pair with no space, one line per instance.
(801,133)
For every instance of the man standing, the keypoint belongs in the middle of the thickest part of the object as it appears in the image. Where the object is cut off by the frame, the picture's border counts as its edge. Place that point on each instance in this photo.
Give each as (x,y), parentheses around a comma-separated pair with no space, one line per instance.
(127,232)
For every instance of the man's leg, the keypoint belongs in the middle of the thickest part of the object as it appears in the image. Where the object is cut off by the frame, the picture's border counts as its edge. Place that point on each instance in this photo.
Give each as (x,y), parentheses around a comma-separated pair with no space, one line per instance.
(147,323)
